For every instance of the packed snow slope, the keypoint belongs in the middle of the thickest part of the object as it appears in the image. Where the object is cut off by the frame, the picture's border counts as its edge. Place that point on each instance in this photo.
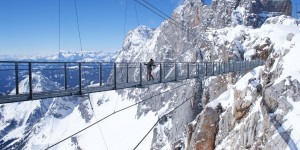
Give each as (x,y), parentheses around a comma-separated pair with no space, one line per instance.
(253,110)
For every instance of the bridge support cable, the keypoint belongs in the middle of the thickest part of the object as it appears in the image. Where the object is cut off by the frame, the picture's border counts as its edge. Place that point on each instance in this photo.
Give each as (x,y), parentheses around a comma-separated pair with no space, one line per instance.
(78,28)
(160,13)
(59,13)
(160,118)
(99,128)
(19,145)
(125,19)
(164,16)
(89,99)
(52,118)
(115,112)
(136,14)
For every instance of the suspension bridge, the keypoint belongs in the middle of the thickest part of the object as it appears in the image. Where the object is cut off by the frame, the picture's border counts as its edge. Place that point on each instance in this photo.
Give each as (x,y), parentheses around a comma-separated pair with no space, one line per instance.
(80,78)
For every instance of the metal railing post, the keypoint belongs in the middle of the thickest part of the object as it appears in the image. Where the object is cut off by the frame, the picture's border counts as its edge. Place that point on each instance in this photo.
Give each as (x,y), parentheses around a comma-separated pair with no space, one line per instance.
(219,64)
(80,78)
(227,67)
(17,77)
(141,79)
(205,68)
(160,73)
(100,74)
(234,66)
(115,76)
(242,68)
(127,73)
(164,70)
(188,70)
(213,66)
(198,70)
(30,81)
(175,71)
(65,76)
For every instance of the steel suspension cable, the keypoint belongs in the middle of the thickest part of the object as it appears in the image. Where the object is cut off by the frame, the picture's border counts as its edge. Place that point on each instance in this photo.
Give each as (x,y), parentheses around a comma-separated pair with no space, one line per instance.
(160,119)
(116,113)
(160,11)
(97,124)
(165,17)
(59,52)
(24,119)
(51,125)
(125,19)
(89,98)
(136,14)
(162,15)
(80,40)
(78,28)
(151,10)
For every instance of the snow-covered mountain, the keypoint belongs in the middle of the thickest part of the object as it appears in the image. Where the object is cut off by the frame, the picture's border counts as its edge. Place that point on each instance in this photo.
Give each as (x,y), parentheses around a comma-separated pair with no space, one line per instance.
(70,56)
(247,110)
(7,79)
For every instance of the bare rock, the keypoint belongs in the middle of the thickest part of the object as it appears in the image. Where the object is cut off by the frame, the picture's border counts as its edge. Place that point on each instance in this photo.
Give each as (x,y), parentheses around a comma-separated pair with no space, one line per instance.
(206,130)
(290,36)
(241,105)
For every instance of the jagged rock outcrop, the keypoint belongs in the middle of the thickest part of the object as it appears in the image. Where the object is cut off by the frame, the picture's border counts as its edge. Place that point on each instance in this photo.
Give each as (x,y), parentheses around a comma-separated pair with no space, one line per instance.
(202,134)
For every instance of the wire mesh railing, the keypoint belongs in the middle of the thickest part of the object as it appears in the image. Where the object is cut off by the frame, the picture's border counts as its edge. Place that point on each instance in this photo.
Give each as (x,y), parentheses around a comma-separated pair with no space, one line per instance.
(36,80)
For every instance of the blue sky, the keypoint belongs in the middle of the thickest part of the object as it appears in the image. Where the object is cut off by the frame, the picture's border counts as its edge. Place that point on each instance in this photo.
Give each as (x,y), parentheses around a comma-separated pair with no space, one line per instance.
(30,27)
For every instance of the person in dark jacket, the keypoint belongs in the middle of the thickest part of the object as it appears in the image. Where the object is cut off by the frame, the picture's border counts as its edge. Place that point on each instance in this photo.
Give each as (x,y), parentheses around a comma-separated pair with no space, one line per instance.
(149,69)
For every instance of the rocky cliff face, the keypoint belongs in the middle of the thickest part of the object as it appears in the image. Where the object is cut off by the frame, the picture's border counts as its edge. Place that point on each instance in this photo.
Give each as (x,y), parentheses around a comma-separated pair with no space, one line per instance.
(220,32)
(257,112)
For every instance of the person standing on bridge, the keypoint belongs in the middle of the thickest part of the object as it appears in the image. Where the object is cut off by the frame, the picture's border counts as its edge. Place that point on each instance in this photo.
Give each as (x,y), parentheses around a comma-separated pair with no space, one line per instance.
(149,69)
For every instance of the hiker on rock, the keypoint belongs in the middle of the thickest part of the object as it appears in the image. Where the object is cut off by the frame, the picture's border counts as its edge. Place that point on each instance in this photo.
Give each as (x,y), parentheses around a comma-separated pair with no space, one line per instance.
(149,69)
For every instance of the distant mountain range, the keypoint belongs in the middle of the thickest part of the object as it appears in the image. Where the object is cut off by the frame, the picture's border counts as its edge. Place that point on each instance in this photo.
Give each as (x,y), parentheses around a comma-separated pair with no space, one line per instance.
(85,56)
(7,78)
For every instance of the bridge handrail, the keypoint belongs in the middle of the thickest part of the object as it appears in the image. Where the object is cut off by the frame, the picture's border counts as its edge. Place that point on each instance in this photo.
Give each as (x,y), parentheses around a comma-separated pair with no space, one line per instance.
(119,73)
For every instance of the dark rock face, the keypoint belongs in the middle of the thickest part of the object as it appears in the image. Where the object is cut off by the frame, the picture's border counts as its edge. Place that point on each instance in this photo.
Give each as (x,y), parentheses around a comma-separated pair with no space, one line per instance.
(283,6)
